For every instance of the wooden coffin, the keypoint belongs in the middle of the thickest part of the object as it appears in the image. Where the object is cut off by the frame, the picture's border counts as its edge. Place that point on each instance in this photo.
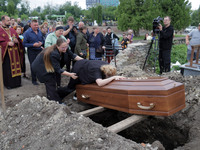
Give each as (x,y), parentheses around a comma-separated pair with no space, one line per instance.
(147,96)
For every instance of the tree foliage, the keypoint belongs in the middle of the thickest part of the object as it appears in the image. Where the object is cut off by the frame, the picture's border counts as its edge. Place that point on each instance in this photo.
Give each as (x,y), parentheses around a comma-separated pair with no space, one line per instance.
(25,8)
(195,17)
(3,5)
(109,12)
(139,14)
(99,14)
(11,8)
(75,10)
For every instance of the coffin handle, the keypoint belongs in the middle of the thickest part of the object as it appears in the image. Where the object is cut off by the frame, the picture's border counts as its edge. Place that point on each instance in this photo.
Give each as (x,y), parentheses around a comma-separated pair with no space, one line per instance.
(151,106)
(85,96)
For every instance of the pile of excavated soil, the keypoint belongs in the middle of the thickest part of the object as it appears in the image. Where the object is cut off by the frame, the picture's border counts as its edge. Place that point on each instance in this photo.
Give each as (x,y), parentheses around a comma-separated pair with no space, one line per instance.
(37,123)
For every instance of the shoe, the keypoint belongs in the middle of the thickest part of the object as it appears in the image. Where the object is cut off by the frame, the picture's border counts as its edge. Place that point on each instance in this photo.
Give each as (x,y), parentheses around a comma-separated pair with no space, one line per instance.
(74,97)
(8,87)
(26,77)
(35,83)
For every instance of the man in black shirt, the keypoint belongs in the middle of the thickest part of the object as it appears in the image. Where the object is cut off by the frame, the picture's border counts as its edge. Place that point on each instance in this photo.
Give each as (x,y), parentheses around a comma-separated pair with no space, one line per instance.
(165,45)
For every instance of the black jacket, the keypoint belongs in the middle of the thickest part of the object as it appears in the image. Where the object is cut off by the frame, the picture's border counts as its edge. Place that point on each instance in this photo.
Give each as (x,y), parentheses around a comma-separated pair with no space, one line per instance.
(166,38)
(108,38)
(57,61)
(72,36)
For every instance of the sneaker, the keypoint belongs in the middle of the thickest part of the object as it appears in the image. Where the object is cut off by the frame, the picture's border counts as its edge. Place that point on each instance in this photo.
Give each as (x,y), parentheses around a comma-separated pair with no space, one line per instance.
(74,97)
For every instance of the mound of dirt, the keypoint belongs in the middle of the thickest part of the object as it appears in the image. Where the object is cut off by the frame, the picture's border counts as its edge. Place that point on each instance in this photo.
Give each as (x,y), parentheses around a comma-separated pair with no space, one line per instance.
(37,123)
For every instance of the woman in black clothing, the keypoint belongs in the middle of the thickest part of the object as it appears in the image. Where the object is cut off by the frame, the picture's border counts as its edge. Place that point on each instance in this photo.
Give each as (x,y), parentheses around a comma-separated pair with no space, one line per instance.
(90,71)
(49,62)
(96,44)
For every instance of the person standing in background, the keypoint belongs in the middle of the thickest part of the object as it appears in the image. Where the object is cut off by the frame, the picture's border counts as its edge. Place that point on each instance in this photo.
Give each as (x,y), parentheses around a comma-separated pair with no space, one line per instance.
(195,40)
(19,22)
(11,47)
(69,34)
(96,44)
(34,41)
(81,42)
(165,45)
(19,32)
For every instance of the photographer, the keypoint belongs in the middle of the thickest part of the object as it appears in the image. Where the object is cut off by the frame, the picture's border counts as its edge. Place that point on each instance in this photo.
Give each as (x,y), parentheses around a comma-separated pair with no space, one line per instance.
(165,45)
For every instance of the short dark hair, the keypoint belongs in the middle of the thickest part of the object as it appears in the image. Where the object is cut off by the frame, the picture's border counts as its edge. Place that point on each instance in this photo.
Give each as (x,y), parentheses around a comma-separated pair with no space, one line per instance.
(3,17)
(18,26)
(168,17)
(70,18)
(34,20)
(108,28)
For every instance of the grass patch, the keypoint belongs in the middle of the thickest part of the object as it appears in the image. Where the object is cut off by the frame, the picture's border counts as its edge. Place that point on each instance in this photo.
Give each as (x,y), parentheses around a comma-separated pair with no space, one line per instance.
(178,53)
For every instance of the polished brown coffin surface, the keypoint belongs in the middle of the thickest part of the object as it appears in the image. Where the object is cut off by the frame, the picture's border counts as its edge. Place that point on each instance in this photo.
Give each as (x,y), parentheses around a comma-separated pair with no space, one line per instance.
(149,96)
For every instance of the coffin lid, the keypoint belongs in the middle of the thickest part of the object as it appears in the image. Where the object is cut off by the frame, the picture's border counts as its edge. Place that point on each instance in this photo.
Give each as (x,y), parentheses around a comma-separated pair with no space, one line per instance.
(138,86)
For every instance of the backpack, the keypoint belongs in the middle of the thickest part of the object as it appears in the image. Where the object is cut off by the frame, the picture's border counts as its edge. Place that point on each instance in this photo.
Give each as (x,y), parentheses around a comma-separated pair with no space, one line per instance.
(114,41)
(115,44)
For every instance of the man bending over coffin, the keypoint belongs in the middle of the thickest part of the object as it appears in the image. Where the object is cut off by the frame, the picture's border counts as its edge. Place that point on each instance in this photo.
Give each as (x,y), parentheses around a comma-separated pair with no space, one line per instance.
(90,71)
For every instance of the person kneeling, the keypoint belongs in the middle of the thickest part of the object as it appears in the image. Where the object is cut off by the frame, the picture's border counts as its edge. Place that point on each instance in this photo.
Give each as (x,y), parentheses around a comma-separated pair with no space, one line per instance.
(90,71)
(47,66)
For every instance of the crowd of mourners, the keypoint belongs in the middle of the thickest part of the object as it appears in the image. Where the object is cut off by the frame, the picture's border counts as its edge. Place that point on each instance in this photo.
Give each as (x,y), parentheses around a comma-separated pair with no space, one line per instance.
(51,47)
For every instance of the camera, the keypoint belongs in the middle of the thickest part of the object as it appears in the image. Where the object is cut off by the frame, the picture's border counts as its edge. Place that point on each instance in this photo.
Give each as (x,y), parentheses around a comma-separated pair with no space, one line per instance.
(156,23)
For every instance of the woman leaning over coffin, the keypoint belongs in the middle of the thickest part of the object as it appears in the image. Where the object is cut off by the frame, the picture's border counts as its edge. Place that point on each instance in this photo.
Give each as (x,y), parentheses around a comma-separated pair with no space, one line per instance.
(49,62)
(90,71)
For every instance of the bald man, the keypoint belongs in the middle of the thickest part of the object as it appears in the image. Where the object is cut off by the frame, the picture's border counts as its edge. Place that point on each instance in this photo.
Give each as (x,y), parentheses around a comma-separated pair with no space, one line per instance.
(80,25)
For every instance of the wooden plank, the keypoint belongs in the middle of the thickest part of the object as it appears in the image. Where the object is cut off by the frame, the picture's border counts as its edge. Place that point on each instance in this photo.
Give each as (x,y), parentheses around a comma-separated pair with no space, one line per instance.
(1,84)
(92,111)
(124,124)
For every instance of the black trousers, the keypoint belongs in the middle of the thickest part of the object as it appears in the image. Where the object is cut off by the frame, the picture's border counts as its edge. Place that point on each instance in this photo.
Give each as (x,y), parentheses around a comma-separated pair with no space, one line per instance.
(24,62)
(32,54)
(66,90)
(51,90)
(164,60)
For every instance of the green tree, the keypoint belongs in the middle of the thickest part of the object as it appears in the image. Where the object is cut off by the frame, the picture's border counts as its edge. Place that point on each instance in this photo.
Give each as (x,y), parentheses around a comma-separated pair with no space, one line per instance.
(35,13)
(25,8)
(94,14)
(99,14)
(24,17)
(3,13)
(72,9)
(137,14)
(109,12)
(11,8)
(3,5)
(179,11)
(195,17)
(16,2)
